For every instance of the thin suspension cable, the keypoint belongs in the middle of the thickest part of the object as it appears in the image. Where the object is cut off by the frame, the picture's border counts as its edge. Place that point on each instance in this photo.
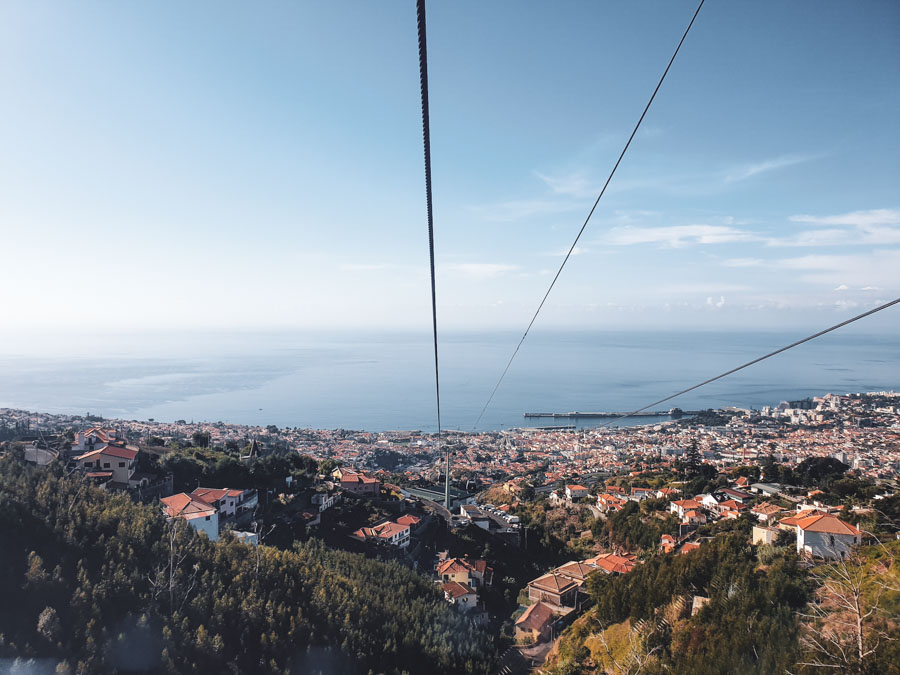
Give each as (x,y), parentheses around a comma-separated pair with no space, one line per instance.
(426,134)
(591,213)
(754,361)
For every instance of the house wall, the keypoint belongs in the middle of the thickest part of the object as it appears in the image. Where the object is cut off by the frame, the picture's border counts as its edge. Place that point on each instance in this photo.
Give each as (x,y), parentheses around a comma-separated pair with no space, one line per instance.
(209,527)
(466,602)
(763,535)
(99,462)
(567,599)
(821,544)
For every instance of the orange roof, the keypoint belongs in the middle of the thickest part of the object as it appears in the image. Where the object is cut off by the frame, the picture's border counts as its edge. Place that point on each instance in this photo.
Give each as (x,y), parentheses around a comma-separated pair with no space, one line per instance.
(574,570)
(825,522)
(409,519)
(454,566)
(793,520)
(767,509)
(389,529)
(610,562)
(112,451)
(536,617)
(576,487)
(456,590)
(553,582)
(185,506)
(209,495)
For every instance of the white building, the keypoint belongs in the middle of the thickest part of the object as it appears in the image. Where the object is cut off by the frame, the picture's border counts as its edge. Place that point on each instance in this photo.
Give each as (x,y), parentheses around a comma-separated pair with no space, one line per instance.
(325,500)
(227,502)
(109,462)
(198,514)
(826,536)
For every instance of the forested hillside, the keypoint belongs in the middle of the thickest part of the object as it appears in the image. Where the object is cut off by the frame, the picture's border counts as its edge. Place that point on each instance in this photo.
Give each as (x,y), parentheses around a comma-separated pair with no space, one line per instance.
(730,607)
(99,583)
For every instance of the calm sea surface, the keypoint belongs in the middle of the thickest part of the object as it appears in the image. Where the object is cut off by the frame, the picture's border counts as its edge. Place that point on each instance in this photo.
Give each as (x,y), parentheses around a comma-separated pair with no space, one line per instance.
(386,381)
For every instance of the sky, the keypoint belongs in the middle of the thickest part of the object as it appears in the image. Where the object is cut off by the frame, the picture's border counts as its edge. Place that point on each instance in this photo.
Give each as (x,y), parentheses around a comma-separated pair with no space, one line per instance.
(234,165)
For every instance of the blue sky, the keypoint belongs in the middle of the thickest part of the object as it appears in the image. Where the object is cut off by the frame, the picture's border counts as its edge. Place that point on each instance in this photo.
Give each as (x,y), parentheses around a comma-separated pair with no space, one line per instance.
(225,164)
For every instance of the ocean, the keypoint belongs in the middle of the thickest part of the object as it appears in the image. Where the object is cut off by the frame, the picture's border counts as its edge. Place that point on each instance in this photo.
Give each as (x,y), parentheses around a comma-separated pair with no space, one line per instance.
(386,381)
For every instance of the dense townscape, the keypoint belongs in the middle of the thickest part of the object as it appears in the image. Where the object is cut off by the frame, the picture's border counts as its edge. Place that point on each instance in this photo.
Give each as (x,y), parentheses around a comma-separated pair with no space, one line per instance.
(551,554)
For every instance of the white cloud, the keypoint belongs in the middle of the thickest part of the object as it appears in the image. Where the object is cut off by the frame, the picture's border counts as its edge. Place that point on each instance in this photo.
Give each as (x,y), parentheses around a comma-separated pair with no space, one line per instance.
(875,269)
(717,304)
(479,271)
(842,287)
(750,170)
(861,219)
(880,236)
(677,236)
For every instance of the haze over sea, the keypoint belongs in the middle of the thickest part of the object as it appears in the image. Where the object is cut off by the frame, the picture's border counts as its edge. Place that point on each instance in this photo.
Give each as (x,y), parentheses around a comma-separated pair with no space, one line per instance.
(386,381)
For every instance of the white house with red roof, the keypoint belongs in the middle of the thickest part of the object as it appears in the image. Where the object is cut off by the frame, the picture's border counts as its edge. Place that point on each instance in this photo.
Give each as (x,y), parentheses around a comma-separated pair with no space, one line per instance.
(576,492)
(228,502)
(462,596)
(109,462)
(389,532)
(475,573)
(200,515)
(607,502)
(682,506)
(824,535)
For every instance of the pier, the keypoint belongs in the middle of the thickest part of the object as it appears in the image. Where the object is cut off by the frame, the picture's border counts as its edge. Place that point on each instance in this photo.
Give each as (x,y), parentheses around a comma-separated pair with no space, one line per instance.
(674,413)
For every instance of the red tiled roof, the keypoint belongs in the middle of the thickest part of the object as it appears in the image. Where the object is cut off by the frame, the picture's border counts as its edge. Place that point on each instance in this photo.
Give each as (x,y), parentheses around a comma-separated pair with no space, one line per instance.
(825,522)
(553,582)
(454,566)
(112,451)
(456,590)
(536,617)
(793,520)
(185,506)
(574,570)
(209,495)
(610,562)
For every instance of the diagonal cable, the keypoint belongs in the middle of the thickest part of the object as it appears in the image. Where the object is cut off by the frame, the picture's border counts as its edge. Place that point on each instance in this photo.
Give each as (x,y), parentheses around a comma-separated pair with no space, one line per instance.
(754,361)
(591,213)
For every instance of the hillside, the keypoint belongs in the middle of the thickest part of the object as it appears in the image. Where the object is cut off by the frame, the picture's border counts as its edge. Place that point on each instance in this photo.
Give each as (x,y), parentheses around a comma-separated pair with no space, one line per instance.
(100,583)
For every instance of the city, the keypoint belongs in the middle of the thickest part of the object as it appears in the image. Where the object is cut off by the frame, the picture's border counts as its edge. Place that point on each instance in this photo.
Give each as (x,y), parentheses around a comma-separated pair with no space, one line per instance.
(534,512)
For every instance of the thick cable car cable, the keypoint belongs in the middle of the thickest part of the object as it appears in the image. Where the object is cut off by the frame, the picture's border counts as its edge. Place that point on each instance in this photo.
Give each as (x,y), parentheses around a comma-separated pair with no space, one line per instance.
(426,137)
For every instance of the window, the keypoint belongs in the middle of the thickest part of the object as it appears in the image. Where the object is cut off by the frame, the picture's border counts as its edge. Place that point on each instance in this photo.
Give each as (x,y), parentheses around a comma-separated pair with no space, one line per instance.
(105,465)
(121,464)
(207,517)
(88,465)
